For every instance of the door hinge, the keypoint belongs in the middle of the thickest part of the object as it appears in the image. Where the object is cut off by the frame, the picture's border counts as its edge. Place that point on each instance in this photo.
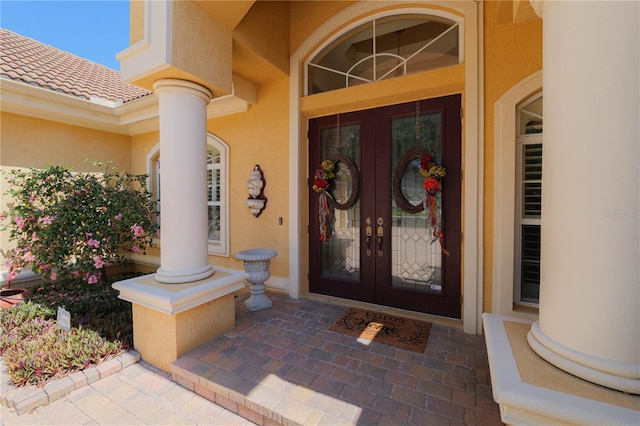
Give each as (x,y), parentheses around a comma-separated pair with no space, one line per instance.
(462,300)
(461,175)
(461,237)
(461,114)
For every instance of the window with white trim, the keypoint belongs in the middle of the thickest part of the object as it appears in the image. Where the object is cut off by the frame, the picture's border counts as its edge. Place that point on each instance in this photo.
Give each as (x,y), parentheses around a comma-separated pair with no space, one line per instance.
(383,48)
(528,201)
(217,193)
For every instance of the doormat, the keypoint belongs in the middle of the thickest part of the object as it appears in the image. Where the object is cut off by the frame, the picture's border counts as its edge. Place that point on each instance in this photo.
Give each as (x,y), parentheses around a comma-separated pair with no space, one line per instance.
(371,326)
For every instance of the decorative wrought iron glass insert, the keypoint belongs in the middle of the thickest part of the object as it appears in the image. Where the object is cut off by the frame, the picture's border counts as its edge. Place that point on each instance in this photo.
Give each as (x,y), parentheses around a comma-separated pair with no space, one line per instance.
(385,48)
(416,261)
(341,252)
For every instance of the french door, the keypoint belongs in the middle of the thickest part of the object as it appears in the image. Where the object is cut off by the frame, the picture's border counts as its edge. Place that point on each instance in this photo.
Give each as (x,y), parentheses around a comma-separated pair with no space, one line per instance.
(372,235)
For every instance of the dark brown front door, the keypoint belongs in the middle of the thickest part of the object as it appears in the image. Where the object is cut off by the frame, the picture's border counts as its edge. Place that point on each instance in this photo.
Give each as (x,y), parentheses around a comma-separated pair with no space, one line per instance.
(379,245)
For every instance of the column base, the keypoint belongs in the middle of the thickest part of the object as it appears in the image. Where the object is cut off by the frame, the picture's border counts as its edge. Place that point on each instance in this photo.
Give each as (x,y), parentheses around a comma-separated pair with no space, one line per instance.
(530,390)
(183,276)
(618,376)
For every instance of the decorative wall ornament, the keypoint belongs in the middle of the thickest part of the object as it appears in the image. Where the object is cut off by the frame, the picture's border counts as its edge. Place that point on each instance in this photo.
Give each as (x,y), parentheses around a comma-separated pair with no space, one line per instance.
(257,201)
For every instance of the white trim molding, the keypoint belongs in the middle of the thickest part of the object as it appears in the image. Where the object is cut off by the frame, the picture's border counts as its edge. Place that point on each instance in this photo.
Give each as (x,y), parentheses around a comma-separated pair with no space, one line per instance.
(504,176)
(153,52)
(172,299)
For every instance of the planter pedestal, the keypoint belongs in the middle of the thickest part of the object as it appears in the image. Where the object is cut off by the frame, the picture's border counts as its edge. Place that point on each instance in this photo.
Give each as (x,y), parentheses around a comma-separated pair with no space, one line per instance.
(256,265)
(171,319)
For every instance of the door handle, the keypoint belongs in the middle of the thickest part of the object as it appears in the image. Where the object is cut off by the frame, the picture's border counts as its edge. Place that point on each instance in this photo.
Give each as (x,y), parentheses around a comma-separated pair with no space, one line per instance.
(380,235)
(368,233)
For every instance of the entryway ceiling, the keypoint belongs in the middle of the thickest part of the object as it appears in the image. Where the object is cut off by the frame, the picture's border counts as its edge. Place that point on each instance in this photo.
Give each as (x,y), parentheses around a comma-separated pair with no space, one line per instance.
(229,13)
(260,36)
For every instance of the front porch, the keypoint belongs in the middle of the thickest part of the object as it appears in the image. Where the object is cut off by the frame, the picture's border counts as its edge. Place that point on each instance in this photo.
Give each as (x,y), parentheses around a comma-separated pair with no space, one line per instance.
(284,366)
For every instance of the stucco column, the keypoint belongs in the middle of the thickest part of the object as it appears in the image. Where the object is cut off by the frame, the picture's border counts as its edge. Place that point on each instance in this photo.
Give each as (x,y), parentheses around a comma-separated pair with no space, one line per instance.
(589,322)
(183,181)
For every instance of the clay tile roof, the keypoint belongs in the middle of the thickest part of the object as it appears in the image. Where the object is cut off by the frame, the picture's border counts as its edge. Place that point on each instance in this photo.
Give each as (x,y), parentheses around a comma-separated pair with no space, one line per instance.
(31,62)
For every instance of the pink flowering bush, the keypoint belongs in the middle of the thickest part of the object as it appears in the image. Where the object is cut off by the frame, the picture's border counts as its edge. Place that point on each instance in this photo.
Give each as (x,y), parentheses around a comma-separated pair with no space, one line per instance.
(74,225)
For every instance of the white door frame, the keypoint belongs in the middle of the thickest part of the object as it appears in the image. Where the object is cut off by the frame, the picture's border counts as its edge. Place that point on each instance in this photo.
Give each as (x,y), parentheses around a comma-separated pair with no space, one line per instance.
(473,152)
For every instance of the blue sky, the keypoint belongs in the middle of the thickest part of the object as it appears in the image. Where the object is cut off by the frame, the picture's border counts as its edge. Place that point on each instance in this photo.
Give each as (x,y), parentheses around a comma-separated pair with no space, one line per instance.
(95,30)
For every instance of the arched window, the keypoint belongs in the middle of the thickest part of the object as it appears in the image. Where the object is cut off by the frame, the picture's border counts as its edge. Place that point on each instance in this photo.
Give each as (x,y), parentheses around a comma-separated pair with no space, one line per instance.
(528,198)
(217,192)
(383,48)
(517,112)
(217,195)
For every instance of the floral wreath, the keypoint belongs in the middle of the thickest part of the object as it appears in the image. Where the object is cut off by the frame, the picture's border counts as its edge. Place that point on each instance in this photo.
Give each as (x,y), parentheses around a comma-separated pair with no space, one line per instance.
(321,182)
(433,174)
(322,176)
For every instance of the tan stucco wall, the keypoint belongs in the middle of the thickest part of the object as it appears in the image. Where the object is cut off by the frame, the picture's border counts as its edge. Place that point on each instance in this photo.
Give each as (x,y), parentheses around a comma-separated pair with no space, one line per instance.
(31,142)
(201,47)
(511,53)
(179,333)
(259,136)
(306,16)
(265,30)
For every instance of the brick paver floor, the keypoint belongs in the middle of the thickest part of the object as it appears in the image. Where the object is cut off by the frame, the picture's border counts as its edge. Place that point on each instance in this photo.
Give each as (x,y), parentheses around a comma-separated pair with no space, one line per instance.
(284,365)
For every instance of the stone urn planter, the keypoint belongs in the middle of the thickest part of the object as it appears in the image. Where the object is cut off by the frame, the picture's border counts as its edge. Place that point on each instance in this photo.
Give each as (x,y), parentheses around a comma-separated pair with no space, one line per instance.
(256,264)
(13,296)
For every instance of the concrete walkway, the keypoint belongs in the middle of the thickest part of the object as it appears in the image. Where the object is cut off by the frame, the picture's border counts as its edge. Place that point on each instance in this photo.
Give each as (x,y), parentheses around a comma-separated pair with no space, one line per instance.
(136,395)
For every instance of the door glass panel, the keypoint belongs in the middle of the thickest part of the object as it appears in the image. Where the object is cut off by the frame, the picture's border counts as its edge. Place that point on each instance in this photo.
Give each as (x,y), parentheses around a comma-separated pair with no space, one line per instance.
(341,250)
(416,256)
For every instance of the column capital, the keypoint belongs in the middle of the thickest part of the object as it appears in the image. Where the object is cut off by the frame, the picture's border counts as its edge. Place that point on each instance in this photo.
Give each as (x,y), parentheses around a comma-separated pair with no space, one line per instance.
(185,86)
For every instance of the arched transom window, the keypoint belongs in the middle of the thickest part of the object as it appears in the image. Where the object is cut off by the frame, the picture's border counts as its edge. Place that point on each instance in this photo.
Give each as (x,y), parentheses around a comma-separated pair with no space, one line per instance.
(384,48)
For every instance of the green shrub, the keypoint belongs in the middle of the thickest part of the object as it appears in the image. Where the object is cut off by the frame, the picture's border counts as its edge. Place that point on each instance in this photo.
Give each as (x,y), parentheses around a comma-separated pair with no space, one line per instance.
(96,307)
(74,225)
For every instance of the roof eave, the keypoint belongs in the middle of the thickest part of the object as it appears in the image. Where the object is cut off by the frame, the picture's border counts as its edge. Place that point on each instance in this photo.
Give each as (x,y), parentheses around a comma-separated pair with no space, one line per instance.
(131,118)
